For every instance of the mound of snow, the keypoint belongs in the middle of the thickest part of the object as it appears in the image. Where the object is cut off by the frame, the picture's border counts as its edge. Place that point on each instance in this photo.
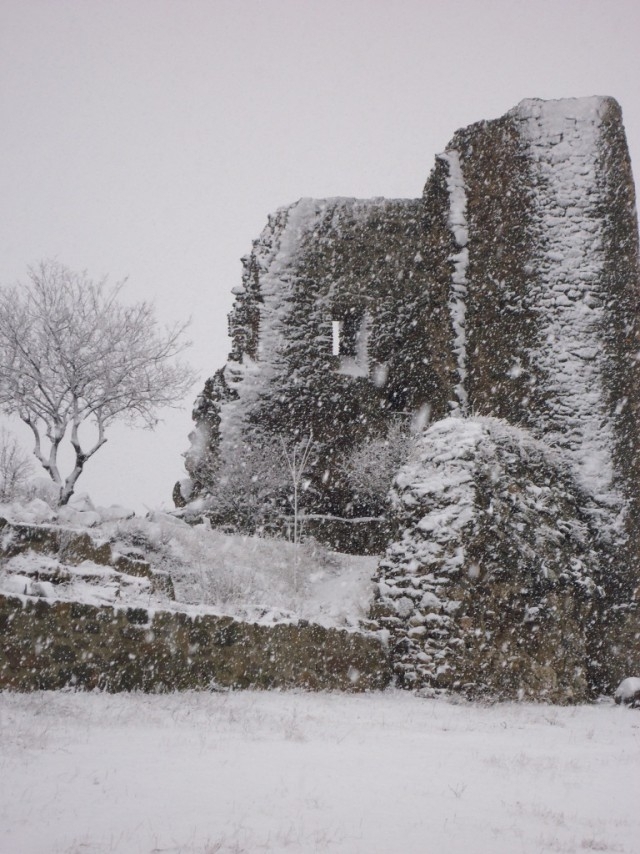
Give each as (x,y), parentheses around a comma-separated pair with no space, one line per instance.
(78,518)
(251,578)
(628,691)
(79,513)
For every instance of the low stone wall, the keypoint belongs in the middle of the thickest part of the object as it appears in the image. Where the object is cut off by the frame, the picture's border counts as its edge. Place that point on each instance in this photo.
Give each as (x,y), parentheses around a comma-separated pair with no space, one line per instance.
(52,645)
(69,546)
(73,547)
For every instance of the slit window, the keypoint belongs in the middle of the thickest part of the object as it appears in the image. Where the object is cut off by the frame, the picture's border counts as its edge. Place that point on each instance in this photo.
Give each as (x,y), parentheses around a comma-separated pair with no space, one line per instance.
(349,341)
(336,329)
(350,332)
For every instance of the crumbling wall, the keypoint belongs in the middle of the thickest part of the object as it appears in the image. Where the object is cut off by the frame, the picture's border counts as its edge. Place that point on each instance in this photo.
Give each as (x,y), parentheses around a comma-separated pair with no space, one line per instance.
(316,262)
(73,547)
(492,583)
(509,289)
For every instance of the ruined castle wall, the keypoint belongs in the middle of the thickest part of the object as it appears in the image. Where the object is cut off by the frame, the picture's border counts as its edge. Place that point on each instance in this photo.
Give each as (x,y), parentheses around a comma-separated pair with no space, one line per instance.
(319,261)
(552,280)
(509,290)
(551,269)
(499,322)
(621,282)
(543,304)
(576,339)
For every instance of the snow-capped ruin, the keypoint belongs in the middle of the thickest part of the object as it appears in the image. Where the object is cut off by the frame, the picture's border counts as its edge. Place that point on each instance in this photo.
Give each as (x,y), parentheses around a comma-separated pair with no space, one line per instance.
(501,308)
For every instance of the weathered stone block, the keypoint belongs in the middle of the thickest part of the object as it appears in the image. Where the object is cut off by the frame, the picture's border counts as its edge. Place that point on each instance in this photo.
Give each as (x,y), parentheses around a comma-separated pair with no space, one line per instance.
(132,566)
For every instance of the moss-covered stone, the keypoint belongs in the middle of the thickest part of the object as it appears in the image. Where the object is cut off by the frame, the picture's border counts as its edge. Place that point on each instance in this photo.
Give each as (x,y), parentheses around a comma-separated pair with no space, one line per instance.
(131,566)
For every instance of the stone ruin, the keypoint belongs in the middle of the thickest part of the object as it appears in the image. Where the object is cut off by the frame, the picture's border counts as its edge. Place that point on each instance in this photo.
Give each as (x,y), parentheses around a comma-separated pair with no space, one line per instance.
(492,324)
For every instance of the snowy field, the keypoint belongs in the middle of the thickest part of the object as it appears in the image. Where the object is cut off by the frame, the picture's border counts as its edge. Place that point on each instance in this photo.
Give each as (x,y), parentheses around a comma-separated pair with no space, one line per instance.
(382,773)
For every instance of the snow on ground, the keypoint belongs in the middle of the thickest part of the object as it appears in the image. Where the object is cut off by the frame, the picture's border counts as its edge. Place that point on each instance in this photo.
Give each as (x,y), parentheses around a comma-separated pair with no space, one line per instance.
(259,579)
(273,772)
(266,579)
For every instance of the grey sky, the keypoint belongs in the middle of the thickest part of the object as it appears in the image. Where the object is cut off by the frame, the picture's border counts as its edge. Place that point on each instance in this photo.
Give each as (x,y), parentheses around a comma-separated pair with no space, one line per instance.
(150,138)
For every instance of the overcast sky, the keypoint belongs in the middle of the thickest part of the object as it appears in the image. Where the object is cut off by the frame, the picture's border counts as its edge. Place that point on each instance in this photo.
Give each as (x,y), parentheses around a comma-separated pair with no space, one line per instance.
(149,139)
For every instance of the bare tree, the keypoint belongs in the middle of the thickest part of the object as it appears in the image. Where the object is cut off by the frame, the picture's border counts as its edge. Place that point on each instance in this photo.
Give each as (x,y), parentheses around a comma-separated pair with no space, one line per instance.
(16,467)
(297,460)
(72,354)
(258,482)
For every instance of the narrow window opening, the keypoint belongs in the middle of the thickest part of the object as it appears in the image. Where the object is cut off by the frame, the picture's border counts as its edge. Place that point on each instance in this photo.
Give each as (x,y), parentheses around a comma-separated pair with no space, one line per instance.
(350,334)
(336,324)
(350,338)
